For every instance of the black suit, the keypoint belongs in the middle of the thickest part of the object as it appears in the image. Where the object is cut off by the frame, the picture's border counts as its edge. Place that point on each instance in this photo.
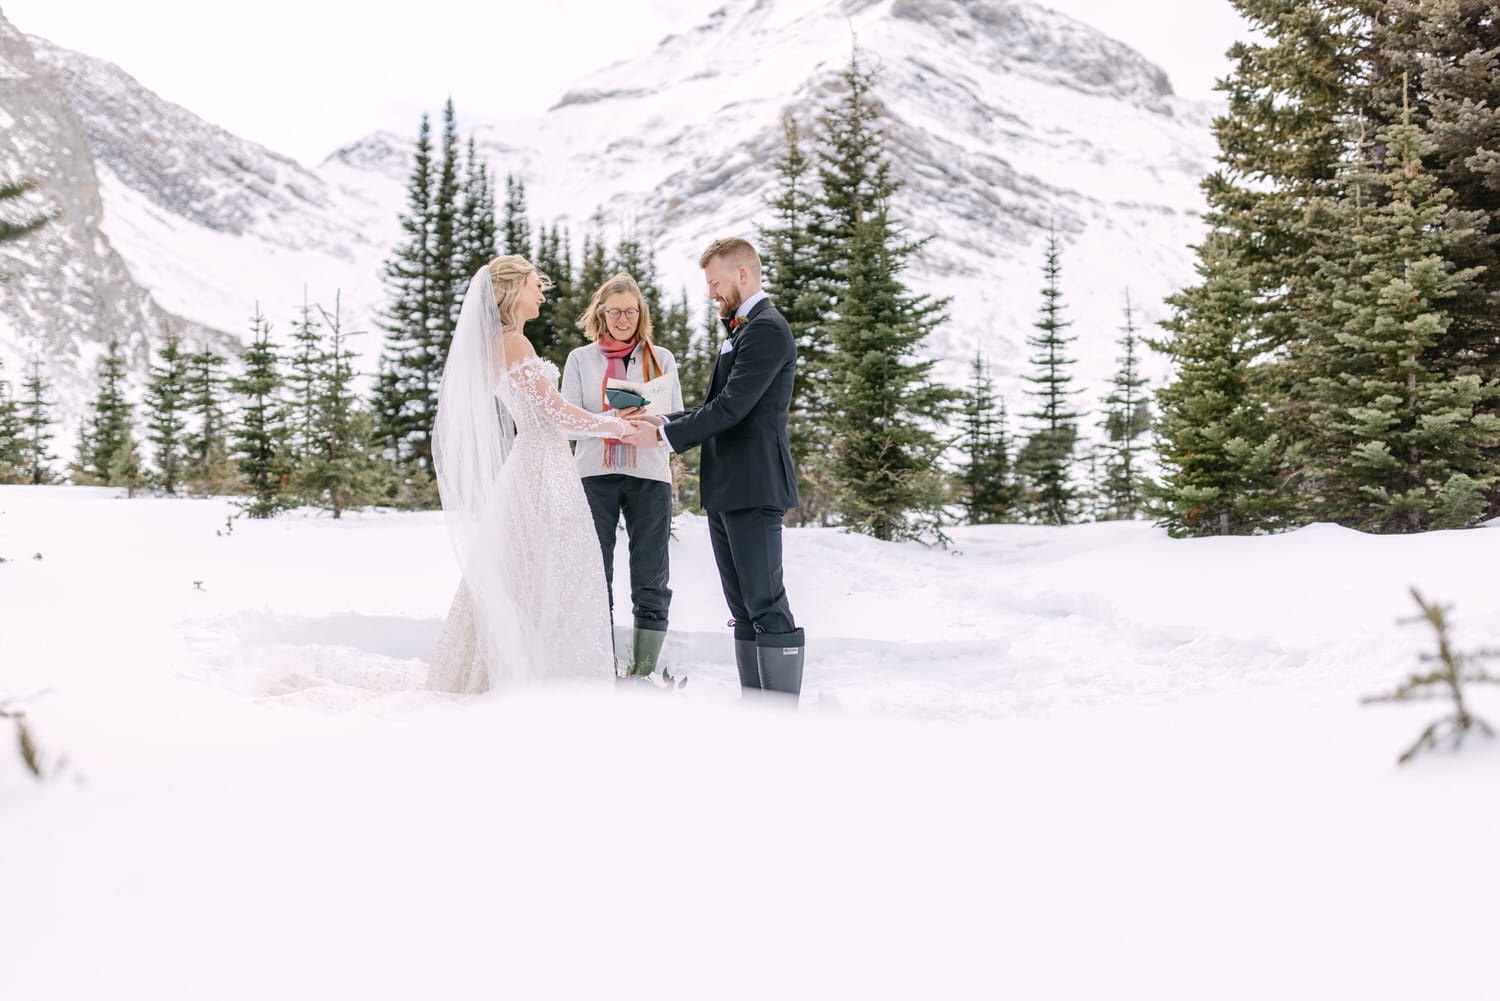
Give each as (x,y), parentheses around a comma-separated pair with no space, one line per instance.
(746,477)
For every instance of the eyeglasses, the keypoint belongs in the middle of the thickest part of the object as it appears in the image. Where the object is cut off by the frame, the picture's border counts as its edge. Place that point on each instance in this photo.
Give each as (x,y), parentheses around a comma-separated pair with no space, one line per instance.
(616,314)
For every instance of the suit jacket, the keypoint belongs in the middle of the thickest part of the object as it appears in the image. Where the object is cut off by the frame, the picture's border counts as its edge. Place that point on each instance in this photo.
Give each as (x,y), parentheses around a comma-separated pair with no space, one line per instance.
(747,456)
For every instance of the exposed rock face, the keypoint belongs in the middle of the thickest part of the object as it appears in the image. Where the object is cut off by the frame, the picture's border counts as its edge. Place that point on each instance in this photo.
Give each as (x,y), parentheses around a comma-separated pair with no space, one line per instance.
(67,291)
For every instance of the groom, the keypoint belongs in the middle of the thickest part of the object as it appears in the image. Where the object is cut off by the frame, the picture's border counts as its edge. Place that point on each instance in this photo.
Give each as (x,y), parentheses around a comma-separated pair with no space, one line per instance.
(747,479)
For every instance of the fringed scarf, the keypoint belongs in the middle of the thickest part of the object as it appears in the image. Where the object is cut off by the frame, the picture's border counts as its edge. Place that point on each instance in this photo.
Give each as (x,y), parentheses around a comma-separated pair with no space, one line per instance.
(617,454)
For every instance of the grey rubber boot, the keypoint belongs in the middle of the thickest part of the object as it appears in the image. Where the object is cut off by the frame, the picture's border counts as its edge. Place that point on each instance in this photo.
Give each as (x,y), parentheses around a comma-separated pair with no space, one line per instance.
(780,656)
(748,663)
(645,651)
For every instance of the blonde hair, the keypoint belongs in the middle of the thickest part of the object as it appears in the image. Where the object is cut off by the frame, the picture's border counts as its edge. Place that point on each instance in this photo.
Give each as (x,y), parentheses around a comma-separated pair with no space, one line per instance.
(508,278)
(734,252)
(592,320)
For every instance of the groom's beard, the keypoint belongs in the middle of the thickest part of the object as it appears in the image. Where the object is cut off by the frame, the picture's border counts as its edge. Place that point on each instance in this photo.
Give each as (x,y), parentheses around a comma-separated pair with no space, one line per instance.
(728,303)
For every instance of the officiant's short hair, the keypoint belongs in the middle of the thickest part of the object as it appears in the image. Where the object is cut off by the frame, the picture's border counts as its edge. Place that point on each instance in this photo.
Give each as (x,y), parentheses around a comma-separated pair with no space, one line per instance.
(734,252)
(592,320)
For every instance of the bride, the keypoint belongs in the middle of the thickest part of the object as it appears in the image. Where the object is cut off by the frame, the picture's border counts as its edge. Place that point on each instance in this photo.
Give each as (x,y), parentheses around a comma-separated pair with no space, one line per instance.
(532,603)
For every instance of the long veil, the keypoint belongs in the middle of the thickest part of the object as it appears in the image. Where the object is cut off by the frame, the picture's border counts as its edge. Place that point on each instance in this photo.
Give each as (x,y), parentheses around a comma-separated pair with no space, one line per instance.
(471,440)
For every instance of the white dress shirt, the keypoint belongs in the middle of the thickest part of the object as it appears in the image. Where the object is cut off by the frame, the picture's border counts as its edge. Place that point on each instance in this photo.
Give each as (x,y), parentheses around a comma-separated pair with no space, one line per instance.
(742,311)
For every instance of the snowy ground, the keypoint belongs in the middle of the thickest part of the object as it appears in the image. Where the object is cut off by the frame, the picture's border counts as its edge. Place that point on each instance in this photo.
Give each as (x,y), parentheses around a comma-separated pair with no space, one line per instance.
(1080,763)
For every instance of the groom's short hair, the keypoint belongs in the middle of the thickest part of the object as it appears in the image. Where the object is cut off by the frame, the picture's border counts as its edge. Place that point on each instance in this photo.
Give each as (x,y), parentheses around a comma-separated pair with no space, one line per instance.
(734,252)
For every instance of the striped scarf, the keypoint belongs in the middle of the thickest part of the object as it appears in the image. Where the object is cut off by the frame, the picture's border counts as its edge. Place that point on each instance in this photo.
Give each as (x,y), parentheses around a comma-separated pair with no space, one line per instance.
(617,454)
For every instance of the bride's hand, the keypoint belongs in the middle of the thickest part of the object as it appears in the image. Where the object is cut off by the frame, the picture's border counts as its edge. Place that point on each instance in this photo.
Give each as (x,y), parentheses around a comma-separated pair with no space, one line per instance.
(642,435)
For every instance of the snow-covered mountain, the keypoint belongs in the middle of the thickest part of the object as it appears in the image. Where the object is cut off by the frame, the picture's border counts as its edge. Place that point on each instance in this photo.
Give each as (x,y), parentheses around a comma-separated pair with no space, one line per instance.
(1004,118)
(65,289)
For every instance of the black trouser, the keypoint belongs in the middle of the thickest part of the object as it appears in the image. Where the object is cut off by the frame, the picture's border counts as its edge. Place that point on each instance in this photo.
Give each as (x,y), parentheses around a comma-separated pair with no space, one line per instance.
(747,548)
(647,506)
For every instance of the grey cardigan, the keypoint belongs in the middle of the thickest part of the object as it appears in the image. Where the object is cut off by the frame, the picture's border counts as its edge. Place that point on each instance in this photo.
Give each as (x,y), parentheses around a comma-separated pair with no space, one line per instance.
(585,367)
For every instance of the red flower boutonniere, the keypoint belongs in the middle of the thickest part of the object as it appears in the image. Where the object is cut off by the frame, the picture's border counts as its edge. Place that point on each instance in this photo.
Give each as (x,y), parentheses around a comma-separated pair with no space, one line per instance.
(737,322)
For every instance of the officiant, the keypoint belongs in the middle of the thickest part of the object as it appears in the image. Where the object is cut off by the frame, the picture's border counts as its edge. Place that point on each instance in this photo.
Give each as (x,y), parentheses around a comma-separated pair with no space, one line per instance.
(618,479)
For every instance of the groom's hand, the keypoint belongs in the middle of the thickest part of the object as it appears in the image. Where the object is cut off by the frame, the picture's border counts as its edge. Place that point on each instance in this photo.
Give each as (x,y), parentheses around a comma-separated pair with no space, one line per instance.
(643,435)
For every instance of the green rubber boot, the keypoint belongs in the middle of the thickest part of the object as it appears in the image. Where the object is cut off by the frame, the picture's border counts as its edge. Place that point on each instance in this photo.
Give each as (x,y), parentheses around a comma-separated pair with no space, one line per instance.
(645,651)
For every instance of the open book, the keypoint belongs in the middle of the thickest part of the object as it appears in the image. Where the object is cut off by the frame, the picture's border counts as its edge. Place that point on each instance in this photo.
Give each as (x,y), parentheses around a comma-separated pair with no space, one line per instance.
(657,392)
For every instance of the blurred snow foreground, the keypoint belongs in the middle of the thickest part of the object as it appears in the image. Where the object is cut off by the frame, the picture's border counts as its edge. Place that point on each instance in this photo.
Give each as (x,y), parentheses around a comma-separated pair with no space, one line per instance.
(1088,762)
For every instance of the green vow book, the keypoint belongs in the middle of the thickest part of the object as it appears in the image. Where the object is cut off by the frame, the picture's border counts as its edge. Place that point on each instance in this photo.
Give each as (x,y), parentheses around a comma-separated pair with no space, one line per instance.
(624,399)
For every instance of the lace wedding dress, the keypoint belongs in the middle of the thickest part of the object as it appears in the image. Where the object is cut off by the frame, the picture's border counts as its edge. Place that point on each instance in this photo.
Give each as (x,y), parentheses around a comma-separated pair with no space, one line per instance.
(532,605)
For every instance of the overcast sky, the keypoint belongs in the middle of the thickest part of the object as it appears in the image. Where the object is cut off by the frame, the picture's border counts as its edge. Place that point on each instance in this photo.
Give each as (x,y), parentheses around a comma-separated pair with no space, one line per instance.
(305,77)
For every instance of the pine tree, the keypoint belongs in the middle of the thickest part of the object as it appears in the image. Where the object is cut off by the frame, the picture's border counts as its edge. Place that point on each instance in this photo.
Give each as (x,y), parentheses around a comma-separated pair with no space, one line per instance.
(516,231)
(12,434)
(125,469)
(1280,143)
(797,282)
(883,397)
(260,435)
(477,232)
(554,332)
(304,367)
(167,406)
(594,265)
(1127,421)
(400,399)
(695,350)
(1222,462)
(989,494)
(338,470)
(208,463)
(1400,441)
(1446,53)
(35,422)
(11,230)
(446,287)
(106,430)
(1046,462)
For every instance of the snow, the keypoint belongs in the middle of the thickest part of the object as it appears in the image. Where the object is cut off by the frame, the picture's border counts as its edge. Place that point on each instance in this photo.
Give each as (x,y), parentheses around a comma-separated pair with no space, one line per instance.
(1047,763)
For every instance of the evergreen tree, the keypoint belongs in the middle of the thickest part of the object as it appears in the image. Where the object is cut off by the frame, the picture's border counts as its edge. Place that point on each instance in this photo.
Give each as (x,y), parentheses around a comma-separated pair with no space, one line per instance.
(167,411)
(447,288)
(636,258)
(516,230)
(1221,460)
(883,397)
(1400,441)
(260,435)
(1280,142)
(304,370)
(595,267)
(989,494)
(125,469)
(1046,463)
(35,422)
(106,430)
(338,470)
(1447,53)
(208,463)
(695,349)
(12,435)
(797,282)
(401,393)
(11,230)
(1127,421)
(554,332)
(478,235)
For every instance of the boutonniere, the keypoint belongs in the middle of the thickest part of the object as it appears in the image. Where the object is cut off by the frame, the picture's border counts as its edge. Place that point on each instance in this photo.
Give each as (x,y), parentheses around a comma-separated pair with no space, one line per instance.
(738,322)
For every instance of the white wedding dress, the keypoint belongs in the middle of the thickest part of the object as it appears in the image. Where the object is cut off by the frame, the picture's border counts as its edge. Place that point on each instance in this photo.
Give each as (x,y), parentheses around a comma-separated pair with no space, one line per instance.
(532,604)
